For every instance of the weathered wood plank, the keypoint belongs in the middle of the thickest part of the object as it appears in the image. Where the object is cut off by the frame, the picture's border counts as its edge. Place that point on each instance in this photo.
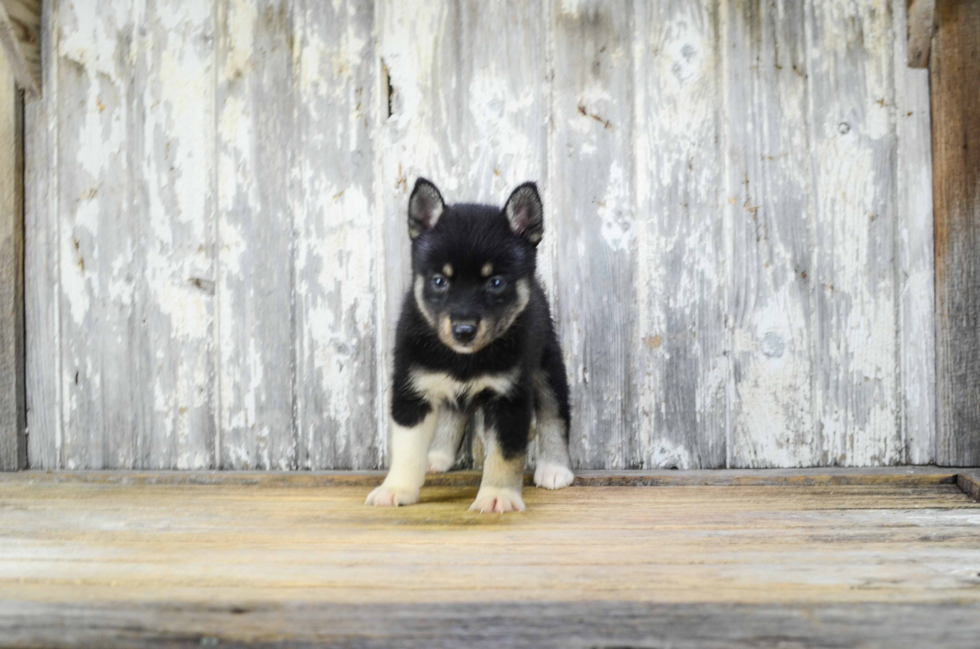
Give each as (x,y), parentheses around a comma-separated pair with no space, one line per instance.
(917,30)
(828,476)
(534,624)
(339,263)
(770,209)
(13,418)
(418,135)
(682,338)
(592,189)
(19,39)
(914,251)
(956,192)
(969,483)
(99,239)
(852,95)
(42,250)
(173,150)
(122,545)
(255,148)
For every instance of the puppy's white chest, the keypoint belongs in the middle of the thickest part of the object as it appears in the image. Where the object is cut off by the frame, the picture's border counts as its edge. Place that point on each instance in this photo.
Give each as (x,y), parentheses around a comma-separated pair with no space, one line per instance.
(441,386)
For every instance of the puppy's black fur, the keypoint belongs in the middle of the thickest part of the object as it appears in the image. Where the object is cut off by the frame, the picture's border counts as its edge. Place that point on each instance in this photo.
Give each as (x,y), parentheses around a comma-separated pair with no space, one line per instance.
(475,265)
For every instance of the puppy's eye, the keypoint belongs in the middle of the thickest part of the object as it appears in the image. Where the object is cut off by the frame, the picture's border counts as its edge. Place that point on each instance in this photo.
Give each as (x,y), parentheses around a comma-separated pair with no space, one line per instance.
(496,284)
(439,282)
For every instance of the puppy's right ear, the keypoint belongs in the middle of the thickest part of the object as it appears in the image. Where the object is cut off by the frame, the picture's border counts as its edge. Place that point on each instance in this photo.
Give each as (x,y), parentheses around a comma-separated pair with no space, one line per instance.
(424,208)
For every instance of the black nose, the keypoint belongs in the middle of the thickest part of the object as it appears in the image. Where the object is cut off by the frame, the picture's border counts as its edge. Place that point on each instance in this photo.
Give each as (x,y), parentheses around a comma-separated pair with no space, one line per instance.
(464,331)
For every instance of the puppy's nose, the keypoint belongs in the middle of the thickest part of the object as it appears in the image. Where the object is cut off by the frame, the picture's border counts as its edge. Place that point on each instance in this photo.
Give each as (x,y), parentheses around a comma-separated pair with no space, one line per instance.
(464,331)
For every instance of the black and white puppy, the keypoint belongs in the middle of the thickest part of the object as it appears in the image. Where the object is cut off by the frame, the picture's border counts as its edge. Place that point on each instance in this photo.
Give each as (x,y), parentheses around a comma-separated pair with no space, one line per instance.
(475,337)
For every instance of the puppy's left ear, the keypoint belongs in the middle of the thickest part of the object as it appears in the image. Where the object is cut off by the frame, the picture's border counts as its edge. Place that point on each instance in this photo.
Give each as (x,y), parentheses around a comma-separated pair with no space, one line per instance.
(525,213)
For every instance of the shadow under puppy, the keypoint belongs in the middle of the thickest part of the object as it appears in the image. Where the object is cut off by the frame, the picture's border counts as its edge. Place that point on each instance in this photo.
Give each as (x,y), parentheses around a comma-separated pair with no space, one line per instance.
(475,337)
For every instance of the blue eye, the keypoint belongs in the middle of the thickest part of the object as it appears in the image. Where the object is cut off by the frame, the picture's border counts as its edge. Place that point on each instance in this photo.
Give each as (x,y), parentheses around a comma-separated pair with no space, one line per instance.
(439,282)
(496,284)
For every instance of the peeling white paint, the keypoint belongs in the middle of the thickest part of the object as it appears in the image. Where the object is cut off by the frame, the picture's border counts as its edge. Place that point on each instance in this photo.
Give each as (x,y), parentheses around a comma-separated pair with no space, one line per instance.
(689,331)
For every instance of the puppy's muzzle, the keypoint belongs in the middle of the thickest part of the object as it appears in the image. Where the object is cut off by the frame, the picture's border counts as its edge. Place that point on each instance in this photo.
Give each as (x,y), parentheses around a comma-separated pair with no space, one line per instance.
(464,331)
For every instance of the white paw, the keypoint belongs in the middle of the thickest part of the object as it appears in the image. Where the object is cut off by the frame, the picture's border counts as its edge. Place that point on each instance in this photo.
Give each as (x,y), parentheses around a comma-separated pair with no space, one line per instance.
(440,461)
(552,476)
(387,496)
(492,500)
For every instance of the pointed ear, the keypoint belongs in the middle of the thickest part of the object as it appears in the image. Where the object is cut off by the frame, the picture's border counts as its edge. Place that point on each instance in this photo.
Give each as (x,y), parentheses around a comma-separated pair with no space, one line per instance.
(424,207)
(525,213)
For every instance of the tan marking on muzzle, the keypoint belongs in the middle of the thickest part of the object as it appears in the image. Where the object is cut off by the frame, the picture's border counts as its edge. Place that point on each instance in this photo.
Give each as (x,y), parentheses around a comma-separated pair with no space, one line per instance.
(481,340)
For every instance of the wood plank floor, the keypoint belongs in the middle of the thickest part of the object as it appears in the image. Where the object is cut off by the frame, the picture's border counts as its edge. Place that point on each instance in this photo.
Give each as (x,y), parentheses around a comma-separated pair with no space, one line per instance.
(132,559)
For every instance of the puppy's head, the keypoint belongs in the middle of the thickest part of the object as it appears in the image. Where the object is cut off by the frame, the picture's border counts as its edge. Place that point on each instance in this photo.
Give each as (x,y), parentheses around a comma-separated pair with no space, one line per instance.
(473,264)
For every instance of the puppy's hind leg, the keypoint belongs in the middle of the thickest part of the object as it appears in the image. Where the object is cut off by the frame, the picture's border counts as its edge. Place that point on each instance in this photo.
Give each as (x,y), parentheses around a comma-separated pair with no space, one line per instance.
(554,466)
(449,433)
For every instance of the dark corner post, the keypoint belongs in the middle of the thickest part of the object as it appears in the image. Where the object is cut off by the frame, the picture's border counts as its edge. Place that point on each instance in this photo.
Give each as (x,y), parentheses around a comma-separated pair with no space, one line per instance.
(955,90)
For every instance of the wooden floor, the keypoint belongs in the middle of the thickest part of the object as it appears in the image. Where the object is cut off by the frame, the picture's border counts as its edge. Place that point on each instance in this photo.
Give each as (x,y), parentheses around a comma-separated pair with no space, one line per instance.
(833,558)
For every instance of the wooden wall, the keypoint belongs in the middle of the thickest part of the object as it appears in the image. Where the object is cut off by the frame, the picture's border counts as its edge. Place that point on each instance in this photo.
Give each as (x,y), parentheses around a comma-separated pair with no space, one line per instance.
(739,223)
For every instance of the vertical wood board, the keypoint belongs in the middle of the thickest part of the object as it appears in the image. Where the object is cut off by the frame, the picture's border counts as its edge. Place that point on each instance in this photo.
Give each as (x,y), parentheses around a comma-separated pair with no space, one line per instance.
(852,95)
(956,152)
(593,192)
(769,209)
(682,338)
(13,445)
(915,261)
(338,258)
(42,288)
(255,147)
(100,269)
(173,99)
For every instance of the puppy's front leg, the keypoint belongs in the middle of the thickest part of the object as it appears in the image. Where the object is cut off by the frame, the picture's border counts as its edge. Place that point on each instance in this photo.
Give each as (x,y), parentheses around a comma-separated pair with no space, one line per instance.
(507,423)
(409,459)
(449,434)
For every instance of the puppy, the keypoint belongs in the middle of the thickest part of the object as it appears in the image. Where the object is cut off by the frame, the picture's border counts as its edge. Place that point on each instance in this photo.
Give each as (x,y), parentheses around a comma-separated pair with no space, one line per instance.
(475,337)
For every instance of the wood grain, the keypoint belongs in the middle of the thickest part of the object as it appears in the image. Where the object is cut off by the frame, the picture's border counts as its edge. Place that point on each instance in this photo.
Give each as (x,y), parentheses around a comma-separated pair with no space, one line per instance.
(42,249)
(592,188)
(100,269)
(915,267)
(339,261)
(256,133)
(240,545)
(682,342)
(770,211)
(956,192)
(969,483)
(852,99)
(890,476)
(528,624)
(13,419)
(174,147)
